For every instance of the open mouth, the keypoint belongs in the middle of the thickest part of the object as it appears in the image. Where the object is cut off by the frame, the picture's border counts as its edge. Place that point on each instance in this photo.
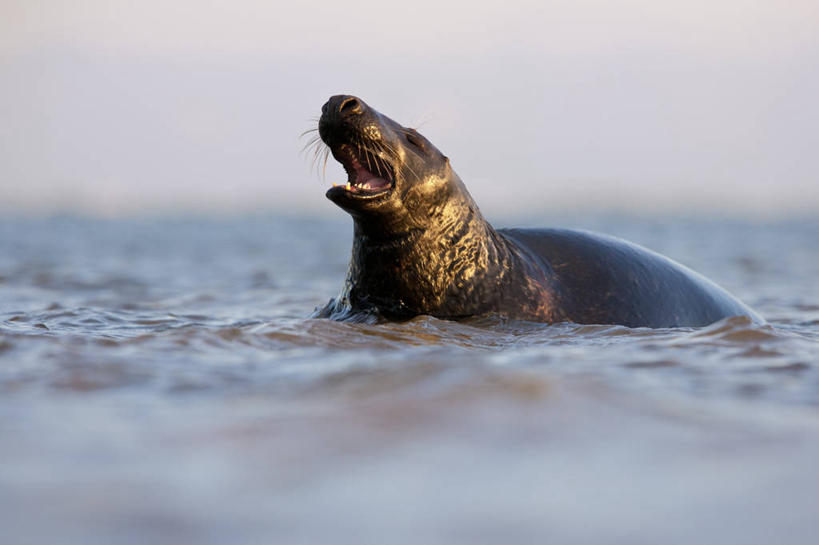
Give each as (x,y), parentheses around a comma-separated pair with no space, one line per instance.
(368,174)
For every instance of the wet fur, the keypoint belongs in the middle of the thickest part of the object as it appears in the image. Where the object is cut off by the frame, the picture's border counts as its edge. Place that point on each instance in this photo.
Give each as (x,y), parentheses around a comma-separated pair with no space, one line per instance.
(423,247)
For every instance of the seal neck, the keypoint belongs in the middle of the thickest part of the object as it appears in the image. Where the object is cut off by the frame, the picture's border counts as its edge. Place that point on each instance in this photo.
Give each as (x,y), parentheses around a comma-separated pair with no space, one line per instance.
(453,265)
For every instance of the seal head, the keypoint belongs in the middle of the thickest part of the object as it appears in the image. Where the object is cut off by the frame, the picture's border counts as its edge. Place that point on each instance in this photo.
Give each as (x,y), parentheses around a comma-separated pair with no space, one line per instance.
(394,174)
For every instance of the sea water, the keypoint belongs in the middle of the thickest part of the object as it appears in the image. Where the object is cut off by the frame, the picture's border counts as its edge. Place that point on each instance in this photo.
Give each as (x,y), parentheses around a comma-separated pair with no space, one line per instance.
(161,382)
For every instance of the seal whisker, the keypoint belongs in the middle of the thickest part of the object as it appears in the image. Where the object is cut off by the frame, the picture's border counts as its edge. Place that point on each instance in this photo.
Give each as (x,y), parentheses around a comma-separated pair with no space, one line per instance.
(320,154)
(376,151)
(377,164)
(324,167)
(311,143)
(389,151)
(380,149)
(362,150)
(393,152)
(378,161)
(316,150)
(315,147)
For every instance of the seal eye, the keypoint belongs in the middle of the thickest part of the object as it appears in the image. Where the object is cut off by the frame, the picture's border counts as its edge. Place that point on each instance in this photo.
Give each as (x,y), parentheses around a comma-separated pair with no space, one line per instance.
(415,141)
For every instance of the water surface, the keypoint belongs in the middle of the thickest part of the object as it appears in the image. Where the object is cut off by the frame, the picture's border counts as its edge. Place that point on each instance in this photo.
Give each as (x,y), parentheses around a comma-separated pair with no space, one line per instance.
(160,382)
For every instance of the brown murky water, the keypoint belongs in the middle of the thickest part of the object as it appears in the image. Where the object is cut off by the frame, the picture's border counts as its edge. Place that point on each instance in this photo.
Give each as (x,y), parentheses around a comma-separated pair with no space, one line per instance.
(160,383)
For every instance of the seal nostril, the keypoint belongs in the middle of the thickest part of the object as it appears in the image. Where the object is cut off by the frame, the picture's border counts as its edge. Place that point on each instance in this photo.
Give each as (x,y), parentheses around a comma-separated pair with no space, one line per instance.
(350,105)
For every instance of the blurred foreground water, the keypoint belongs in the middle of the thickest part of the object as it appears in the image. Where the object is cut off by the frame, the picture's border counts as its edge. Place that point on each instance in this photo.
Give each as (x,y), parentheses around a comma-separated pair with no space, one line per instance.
(160,382)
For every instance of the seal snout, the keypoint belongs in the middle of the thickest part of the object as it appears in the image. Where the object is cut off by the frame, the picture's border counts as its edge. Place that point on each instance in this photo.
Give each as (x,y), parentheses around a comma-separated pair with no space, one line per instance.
(342,118)
(350,106)
(341,108)
(352,131)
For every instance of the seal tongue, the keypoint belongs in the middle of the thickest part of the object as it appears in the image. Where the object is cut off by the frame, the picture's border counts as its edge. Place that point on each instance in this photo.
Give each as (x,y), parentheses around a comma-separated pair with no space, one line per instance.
(374,182)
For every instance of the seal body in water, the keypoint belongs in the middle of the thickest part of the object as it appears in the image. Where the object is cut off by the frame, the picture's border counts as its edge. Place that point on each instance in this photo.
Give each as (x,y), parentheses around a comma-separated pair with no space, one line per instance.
(421,246)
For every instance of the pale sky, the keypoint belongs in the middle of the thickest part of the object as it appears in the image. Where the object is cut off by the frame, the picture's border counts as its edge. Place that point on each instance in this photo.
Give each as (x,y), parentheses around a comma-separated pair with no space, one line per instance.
(112,107)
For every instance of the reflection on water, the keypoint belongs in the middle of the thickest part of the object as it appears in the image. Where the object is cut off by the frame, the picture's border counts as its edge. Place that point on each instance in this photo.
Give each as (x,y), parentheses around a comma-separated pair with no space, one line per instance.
(159,383)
